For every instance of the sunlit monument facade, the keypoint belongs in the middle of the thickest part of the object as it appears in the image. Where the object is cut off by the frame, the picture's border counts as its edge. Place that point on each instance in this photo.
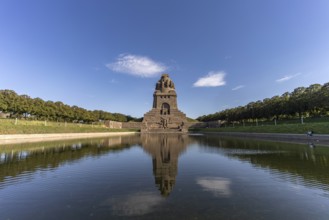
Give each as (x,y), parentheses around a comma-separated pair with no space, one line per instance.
(164,116)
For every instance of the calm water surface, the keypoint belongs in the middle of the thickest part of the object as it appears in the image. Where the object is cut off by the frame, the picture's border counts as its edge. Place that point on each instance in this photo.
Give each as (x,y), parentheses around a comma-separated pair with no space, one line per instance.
(164,177)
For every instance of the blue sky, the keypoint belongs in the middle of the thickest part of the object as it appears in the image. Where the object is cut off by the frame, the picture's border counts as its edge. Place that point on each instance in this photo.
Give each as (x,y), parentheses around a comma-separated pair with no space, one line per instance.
(109,54)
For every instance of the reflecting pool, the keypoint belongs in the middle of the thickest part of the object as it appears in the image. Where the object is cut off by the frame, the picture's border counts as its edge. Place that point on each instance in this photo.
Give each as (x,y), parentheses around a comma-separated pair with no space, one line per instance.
(164,176)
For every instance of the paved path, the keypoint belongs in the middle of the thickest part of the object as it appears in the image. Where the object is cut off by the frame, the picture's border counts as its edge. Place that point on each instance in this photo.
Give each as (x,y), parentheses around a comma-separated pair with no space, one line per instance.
(25,138)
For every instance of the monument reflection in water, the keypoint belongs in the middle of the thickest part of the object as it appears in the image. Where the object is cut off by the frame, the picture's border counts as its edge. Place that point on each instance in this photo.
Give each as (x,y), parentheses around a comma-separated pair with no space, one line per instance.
(165,149)
(196,177)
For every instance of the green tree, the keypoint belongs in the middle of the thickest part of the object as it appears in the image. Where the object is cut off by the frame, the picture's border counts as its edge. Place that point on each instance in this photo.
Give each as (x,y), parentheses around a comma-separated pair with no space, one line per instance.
(3,103)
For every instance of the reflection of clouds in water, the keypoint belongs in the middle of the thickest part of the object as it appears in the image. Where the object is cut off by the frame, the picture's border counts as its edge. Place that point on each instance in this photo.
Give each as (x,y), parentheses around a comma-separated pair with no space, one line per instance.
(135,204)
(220,187)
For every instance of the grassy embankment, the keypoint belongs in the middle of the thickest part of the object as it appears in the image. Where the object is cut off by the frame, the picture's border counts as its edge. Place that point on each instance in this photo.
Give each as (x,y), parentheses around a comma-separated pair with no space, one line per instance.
(318,127)
(10,126)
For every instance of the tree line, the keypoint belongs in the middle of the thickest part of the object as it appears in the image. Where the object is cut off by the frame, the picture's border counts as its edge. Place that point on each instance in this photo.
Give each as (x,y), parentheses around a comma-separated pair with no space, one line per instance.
(312,101)
(23,106)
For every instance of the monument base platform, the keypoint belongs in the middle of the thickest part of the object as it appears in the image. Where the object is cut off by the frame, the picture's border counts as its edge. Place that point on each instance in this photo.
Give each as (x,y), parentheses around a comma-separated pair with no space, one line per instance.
(154,122)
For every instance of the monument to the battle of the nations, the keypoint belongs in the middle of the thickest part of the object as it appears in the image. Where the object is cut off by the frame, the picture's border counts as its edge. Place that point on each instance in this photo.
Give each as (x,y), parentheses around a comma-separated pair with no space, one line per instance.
(164,116)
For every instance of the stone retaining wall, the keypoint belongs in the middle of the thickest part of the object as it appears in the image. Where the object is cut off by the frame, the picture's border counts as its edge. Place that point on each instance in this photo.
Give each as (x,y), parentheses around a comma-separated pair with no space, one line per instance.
(113,124)
(132,125)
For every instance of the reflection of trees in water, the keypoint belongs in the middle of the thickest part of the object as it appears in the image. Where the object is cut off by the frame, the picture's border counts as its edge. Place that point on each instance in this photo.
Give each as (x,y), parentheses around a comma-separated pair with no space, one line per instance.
(165,150)
(291,161)
(15,163)
(311,167)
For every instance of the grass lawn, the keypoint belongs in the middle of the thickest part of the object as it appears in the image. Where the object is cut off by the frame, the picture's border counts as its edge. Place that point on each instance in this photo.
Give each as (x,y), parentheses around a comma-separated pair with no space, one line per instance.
(10,126)
(317,128)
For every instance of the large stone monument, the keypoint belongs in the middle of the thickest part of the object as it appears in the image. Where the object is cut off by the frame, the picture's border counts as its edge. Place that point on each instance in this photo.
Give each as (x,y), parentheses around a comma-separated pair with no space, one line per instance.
(164,116)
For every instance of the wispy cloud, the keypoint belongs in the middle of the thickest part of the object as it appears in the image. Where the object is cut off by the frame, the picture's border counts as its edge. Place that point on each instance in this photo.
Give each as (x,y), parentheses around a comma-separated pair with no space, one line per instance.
(238,87)
(136,65)
(212,79)
(288,77)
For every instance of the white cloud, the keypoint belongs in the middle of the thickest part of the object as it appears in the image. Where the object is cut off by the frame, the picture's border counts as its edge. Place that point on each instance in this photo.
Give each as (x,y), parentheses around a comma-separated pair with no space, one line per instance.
(220,187)
(288,77)
(213,79)
(238,87)
(137,65)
